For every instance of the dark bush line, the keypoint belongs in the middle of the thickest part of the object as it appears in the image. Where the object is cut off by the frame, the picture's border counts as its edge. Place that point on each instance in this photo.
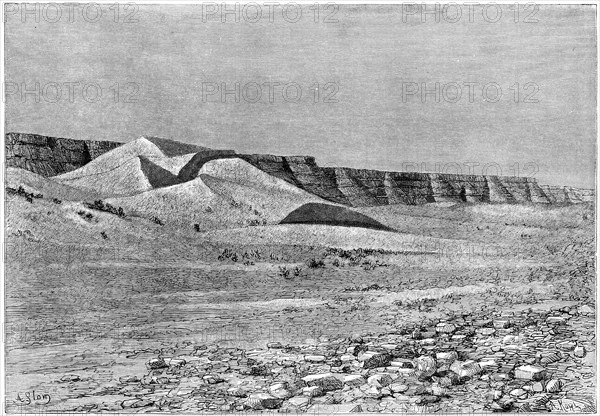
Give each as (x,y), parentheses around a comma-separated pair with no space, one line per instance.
(100,205)
(157,220)
(29,196)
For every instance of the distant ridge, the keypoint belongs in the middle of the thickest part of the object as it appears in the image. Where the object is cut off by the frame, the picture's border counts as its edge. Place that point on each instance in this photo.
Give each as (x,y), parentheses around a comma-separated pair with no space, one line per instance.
(49,156)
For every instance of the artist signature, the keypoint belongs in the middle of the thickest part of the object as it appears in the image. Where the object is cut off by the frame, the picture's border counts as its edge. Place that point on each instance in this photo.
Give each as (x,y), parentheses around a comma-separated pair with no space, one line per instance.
(31,397)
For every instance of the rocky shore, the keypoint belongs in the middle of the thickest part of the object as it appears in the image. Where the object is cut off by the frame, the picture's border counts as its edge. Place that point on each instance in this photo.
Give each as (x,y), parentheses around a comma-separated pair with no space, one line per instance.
(527,361)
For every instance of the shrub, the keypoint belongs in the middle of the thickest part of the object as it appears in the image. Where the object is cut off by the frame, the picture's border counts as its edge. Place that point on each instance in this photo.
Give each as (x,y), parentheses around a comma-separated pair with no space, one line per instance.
(197,227)
(85,215)
(284,272)
(103,234)
(297,271)
(315,264)
(56,201)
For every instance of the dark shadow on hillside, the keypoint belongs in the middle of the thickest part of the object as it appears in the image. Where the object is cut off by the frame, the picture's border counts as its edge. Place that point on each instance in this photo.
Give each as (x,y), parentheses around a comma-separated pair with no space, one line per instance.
(191,169)
(156,175)
(316,213)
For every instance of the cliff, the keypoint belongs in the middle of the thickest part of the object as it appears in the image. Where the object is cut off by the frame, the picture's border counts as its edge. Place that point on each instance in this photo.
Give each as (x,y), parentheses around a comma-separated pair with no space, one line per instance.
(49,156)
(363,187)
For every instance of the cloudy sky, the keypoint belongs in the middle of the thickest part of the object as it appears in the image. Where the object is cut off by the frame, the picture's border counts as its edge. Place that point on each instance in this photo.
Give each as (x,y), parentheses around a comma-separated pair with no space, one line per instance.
(511,94)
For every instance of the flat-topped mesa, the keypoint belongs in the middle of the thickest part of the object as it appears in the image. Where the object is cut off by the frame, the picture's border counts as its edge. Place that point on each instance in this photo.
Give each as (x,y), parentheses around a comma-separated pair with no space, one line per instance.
(365,187)
(49,156)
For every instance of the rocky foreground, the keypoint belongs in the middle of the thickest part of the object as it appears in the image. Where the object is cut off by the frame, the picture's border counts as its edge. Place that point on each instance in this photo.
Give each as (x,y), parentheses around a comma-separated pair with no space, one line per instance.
(527,361)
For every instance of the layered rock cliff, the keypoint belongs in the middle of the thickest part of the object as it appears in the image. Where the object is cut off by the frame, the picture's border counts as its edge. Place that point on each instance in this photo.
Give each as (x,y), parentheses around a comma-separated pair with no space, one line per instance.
(363,187)
(49,156)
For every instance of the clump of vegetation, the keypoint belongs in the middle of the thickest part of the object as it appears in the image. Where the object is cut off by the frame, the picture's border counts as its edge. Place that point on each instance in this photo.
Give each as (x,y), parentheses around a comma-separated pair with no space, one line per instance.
(284,272)
(197,227)
(56,201)
(228,254)
(100,205)
(88,216)
(104,235)
(315,264)
(157,220)
(297,271)
(20,191)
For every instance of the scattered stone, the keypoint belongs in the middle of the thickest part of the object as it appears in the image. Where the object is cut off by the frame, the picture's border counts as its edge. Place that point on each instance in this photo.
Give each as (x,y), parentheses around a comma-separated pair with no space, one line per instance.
(402,364)
(129,379)
(554,386)
(520,393)
(447,357)
(236,392)
(529,372)
(586,310)
(398,387)
(313,391)
(427,399)
(354,380)
(425,366)
(550,358)
(156,363)
(260,401)
(380,380)
(377,360)
(212,379)
(445,327)
(537,387)
(566,345)
(71,378)
(579,351)
(501,323)
(135,403)
(465,368)
(299,401)
(280,390)
(174,362)
(314,358)
(327,381)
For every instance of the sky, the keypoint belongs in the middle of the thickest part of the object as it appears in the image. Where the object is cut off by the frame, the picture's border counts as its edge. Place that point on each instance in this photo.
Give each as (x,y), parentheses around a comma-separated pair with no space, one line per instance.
(510,93)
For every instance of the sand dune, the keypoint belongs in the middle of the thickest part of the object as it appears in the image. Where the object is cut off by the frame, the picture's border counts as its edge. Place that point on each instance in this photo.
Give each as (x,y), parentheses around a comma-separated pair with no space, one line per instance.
(32,182)
(227,192)
(135,167)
